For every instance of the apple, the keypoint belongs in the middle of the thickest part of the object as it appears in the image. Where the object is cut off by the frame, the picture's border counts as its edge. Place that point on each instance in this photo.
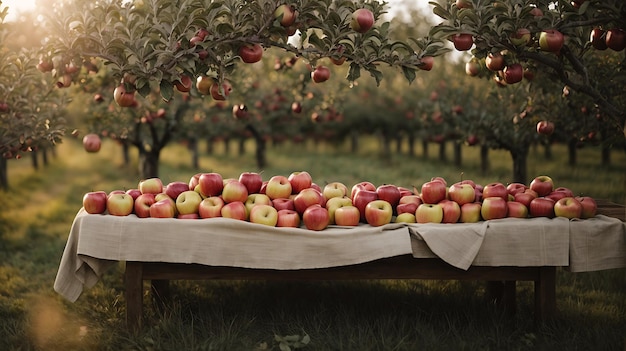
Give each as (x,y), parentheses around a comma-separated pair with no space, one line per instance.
(536,12)
(405,217)
(334,189)
(188,216)
(278,187)
(410,207)
(286,15)
(183,85)
(551,40)
(542,185)
(362,198)
(92,142)
(416,199)
(164,208)
(405,191)
(616,39)
(316,187)
(320,74)
(493,208)
(211,184)
(470,212)
(597,37)
(568,192)
(95,202)
(234,210)
(389,193)
(472,68)
(175,188)
(234,191)
(377,213)
(334,203)
(188,202)
(315,217)
(251,53)
(515,187)
(299,181)
(516,209)
(347,216)
(463,4)
(151,186)
(557,195)
(433,191)
(256,199)
(496,189)
(288,218)
(252,180)
(429,213)
(541,207)
(123,97)
(211,207)
(545,127)
(427,63)
(524,198)
(283,204)
(461,193)
(134,193)
(220,92)
(521,37)
(264,214)
(204,84)
(362,20)
(495,61)
(142,205)
(439,179)
(463,41)
(590,207)
(451,211)
(513,73)
(361,185)
(306,198)
(568,207)
(194,181)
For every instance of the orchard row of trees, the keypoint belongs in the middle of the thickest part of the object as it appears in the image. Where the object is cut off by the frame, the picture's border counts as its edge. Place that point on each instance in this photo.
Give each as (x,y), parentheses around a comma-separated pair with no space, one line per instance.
(151,72)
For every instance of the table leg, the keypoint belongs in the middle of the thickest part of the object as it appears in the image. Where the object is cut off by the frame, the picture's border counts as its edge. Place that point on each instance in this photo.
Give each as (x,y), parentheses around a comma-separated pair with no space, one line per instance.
(160,293)
(133,277)
(503,294)
(545,294)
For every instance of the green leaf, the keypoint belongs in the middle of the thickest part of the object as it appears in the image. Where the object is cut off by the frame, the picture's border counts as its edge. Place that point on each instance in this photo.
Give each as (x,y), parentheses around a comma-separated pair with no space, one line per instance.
(440,11)
(167,90)
(378,75)
(409,74)
(354,72)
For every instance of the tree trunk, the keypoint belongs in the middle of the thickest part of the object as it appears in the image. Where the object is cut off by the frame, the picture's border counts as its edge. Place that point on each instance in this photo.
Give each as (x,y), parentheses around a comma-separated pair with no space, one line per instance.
(571,148)
(398,143)
(520,158)
(547,151)
(195,157)
(242,146)
(425,148)
(44,156)
(126,153)
(226,146)
(209,146)
(386,146)
(4,174)
(260,147)
(606,154)
(354,142)
(484,159)
(458,157)
(411,141)
(442,151)
(149,163)
(34,159)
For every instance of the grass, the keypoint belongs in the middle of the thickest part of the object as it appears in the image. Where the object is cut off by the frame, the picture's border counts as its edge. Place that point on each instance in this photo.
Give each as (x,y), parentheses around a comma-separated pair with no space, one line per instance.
(36,214)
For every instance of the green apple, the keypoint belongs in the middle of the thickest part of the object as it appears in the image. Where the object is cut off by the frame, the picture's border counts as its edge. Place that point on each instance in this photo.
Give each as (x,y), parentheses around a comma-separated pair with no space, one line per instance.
(188,202)
(264,214)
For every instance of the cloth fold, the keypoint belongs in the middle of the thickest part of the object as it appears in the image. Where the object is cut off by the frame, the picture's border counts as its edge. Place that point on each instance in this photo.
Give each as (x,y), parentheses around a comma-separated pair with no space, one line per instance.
(589,237)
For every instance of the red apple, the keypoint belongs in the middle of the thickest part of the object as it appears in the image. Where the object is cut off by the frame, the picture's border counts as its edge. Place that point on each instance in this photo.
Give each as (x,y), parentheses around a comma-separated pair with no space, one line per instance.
(288,218)
(188,216)
(211,184)
(362,20)
(410,207)
(347,216)
(616,39)
(183,85)
(568,207)
(234,191)
(493,208)
(514,188)
(451,211)
(95,202)
(433,191)
(516,209)
(251,53)
(278,187)
(389,193)
(306,198)
(92,142)
(234,210)
(286,15)
(151,186)
(429,213)
(334,203)
(283,204)
(257,199)
(211,207)
(590,207)
(221,92)
(175,188)
(524,198)
(427,63)
(495,62)
(513,73)
(541,207)
(521,37)
(362,198)
(597,37)
(551,40)
(377,213)
(361,185)
(252,180)
(543,185)
(299,181)
(320,74)
(163,209)
(315,217)
(123,97)
(134,193)
(545,127)
(496,189)
(461,193)
(463,41)
(142,205)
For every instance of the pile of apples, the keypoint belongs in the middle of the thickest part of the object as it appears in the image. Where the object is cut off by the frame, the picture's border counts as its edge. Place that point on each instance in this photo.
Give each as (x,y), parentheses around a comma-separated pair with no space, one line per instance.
(290,201)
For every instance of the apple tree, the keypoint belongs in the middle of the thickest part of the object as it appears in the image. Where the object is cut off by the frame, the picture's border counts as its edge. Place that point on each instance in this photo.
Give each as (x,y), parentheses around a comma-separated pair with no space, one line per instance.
(150,46)
(31,106)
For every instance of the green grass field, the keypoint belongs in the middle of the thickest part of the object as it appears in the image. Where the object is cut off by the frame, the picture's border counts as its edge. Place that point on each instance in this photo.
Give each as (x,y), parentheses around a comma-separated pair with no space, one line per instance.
(37,212)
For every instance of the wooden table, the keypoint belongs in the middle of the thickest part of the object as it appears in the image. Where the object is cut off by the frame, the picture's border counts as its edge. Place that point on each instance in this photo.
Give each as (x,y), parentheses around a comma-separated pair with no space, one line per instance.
(501,280)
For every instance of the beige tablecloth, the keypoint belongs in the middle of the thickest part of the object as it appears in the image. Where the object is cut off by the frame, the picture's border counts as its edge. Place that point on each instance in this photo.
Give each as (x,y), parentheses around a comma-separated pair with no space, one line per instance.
(96,242)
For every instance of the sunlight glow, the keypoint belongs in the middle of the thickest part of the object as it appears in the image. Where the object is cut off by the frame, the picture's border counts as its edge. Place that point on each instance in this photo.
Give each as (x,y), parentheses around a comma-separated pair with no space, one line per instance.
(16,7)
